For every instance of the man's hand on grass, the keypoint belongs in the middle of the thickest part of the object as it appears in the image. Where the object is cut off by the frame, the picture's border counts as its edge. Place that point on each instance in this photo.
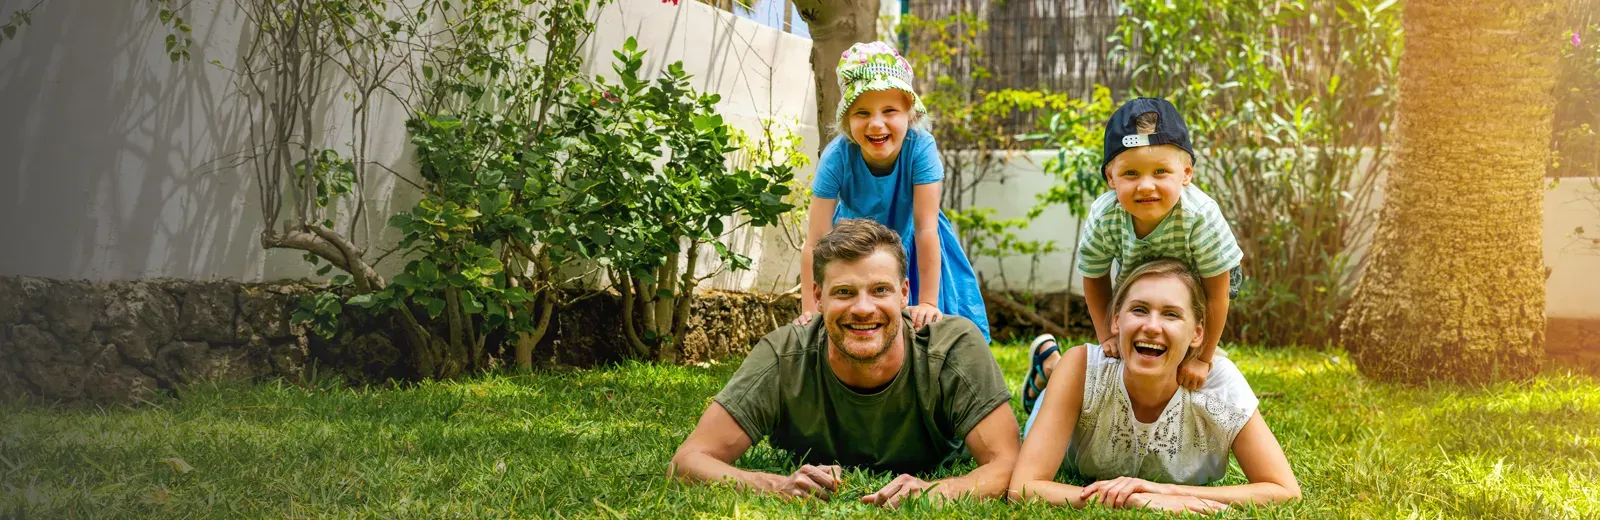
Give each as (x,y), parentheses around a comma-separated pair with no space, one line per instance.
(811,482)
(901,488)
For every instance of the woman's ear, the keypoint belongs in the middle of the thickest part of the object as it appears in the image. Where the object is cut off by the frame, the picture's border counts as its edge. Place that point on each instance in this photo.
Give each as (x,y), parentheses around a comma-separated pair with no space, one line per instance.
(1199,336)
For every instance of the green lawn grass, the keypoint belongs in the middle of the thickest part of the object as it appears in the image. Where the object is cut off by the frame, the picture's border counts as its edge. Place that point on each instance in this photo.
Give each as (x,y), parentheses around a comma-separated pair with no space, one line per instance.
(595,444)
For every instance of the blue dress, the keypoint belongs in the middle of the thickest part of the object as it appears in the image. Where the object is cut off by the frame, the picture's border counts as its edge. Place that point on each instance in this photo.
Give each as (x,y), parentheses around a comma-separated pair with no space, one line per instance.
(842,174)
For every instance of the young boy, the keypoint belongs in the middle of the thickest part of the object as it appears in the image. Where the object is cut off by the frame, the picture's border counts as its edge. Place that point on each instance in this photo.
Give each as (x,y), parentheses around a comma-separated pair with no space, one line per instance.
(1154,210)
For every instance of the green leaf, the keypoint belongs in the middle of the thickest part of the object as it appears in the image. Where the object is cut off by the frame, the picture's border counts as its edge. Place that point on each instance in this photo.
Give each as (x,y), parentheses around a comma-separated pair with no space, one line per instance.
(434,306)
(166,16)
(362,300)
(490,265)
(427,72)
(427,271)
(469,304)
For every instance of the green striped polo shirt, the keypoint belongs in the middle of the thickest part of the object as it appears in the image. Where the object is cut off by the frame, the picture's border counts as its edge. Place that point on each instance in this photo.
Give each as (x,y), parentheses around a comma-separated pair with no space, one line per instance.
(1194,232)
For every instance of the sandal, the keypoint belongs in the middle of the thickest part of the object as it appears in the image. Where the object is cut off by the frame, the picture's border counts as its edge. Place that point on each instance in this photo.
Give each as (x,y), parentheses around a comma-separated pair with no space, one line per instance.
(1035,369)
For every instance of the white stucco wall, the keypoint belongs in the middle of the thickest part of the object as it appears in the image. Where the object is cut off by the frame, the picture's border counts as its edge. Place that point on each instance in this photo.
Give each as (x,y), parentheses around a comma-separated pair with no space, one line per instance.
(114,162)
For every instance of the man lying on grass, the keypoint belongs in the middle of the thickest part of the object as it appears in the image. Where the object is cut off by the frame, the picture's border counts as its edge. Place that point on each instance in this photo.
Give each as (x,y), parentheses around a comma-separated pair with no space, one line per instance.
(859,388)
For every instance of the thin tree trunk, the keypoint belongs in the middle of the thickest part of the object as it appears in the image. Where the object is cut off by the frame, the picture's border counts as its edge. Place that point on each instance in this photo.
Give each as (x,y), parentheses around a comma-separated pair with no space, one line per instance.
(624,283)
(835,25)
(1455,288)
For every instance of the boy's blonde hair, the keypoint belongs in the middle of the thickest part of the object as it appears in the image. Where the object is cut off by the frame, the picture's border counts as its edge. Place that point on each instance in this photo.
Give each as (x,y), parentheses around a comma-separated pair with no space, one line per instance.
(1146,123)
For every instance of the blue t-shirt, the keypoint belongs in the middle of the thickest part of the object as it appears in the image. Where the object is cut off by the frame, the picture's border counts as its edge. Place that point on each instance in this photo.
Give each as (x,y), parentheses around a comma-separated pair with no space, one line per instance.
(843,175)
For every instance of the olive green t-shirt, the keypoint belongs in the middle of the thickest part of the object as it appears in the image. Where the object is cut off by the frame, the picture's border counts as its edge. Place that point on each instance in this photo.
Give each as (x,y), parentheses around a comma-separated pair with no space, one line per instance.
(786,391)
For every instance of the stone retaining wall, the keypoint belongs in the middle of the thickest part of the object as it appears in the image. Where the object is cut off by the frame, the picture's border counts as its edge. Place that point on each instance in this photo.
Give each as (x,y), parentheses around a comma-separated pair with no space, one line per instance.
(119,342)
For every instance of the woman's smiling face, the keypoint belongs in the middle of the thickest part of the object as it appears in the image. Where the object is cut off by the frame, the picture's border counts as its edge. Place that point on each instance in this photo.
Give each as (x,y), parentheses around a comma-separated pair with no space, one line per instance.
(1155,326)
(878,121)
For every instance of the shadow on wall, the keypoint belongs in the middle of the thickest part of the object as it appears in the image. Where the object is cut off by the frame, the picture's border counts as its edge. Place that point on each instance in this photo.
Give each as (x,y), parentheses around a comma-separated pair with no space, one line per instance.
(107,166)
(125,165)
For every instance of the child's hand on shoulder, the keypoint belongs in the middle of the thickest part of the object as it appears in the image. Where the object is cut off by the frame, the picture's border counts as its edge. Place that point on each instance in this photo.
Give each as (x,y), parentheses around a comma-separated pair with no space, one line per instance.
(923,314)
(1109,347)
(1192,374)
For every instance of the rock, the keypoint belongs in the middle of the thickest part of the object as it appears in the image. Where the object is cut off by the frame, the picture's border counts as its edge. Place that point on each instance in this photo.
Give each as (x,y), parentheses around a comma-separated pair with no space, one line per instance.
(288,358)
(263,313)
(33,345)
(206,313)
(70,309)
(124,385)
(12,309)
(55,382)
(373,352)
(138,319)
(184,361)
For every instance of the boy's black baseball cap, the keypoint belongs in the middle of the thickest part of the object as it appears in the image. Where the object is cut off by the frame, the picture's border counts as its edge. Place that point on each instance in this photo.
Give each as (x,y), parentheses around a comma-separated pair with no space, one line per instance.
(1122,134)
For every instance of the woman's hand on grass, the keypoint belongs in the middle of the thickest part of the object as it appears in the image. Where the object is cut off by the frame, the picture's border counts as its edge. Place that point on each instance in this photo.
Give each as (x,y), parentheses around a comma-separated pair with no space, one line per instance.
(1116,492)
(925,313)
(811,482)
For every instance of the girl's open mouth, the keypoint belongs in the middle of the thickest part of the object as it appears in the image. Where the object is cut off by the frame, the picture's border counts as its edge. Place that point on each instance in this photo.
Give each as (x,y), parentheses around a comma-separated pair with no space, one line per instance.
(878,140)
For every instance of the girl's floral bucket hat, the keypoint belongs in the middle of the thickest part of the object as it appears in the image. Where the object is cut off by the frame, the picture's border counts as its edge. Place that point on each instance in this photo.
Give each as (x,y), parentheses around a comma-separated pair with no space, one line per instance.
(873,66)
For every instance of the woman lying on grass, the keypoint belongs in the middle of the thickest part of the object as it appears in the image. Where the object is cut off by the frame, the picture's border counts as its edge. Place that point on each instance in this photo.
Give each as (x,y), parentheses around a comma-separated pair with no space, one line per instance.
(1126,423)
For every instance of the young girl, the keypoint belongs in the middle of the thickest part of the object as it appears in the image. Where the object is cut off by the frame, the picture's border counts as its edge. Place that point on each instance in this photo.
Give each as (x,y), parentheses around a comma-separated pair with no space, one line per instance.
(884,166)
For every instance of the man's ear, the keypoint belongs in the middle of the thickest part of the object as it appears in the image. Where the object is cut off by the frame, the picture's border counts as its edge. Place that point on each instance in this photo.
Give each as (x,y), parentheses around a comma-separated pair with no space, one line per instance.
(816,293)
(905,293)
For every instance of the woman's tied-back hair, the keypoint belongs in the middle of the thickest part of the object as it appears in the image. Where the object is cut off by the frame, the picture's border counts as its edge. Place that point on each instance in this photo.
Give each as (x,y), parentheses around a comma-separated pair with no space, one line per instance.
(854,239)
(1162,268)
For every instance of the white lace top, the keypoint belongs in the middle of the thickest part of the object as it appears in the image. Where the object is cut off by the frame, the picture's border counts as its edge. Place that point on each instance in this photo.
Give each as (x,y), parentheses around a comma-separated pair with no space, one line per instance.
(1188,444)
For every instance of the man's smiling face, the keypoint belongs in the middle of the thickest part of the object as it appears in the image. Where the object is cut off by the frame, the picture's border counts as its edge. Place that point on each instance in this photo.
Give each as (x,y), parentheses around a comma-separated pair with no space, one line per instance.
(861,302)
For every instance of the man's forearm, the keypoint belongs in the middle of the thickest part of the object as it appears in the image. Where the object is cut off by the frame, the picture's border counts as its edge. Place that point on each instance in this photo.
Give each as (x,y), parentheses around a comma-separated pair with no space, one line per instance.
(986,481)
(701,467)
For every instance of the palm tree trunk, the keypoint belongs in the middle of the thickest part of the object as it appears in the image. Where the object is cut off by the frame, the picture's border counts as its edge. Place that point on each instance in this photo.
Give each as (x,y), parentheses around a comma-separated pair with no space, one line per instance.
(1455,286)
(835,25)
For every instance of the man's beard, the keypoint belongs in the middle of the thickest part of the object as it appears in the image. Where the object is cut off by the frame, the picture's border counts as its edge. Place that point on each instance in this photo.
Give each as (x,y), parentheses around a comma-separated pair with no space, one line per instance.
(837,335)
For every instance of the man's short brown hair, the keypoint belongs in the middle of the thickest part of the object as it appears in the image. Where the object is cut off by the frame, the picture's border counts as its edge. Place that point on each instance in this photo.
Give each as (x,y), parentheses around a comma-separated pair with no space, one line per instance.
(854,239)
